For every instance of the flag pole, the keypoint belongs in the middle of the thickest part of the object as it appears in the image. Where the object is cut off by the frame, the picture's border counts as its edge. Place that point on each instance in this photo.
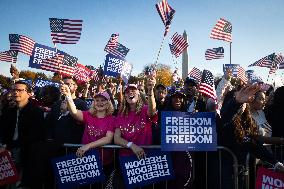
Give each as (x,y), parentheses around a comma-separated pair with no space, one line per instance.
(156,62)
(173,59)
(230,52)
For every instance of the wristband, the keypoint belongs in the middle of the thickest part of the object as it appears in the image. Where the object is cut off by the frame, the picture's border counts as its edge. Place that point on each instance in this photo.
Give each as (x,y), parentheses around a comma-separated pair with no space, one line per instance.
(68,97)
(129,144)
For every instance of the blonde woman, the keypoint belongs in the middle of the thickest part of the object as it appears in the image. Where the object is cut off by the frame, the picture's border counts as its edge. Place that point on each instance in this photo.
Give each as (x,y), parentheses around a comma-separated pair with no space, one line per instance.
(98,123)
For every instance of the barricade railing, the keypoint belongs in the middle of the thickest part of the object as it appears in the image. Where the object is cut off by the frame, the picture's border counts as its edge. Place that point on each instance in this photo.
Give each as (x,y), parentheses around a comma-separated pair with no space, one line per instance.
(219,148)
(251,171)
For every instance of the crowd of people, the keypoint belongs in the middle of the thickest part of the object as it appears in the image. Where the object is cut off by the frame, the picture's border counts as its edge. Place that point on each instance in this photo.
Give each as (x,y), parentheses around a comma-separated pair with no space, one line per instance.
(35,125)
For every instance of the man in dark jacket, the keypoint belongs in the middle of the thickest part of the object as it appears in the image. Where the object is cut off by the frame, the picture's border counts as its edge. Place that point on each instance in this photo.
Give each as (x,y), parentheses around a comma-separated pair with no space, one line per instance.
(21,127)
(62,128)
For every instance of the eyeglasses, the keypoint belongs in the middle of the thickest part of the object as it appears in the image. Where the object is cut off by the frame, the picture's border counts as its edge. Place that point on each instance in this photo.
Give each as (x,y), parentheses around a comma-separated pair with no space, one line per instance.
(69,84)
(18,90)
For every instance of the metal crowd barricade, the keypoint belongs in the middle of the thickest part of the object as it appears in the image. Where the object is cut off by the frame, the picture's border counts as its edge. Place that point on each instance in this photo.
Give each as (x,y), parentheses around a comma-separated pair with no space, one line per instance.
(219,148)
(278,153)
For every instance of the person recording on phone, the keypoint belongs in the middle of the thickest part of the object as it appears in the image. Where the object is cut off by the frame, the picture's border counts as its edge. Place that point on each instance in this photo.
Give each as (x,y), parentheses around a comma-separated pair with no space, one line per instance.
(61,128)
(66,132)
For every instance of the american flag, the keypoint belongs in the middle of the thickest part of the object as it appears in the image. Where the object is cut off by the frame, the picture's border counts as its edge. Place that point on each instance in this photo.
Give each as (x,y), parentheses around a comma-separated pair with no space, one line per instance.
(242,74)
(94,75)
(119,50)
(215,53)
(68,65)
(65,31)
(265,61)
(222,31)
(179,44)
(166,13)
(196,74)
(273,68)
(207,86)
(280,61)
(21,43)
(9,56)
(171,48)
(113,40)
(52,64)
(63,64)
(82,73)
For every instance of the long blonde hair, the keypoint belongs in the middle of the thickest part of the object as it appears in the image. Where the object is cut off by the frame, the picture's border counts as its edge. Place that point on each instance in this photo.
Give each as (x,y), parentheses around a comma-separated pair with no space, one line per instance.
(109,110)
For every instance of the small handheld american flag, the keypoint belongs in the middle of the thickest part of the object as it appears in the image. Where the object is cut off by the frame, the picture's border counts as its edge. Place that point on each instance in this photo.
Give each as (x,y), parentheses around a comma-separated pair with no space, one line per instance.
(207,86)
(115,48)
(279,60)
(82,73)
(166,13)
(215,53)
(9,56)
(196,74)
(65,31)
(265,61)
(21,43)
(179,44)
(63,64)
(242,74)
(222,31)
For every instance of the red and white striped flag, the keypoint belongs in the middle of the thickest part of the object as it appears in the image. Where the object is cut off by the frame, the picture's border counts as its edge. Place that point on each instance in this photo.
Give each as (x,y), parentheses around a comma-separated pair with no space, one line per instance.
(242,74)
(65,31)
(215,53)
(61,63)
(52,64)
(113,41)
(222,31)
(9,56)
(94,75)
(196,74)
(166,13)
(207,86)
(179,44)
(21,43)
(280,61)
(82,73)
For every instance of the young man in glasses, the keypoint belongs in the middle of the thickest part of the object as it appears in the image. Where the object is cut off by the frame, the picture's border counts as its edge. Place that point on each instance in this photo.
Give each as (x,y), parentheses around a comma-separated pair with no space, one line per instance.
(21,128)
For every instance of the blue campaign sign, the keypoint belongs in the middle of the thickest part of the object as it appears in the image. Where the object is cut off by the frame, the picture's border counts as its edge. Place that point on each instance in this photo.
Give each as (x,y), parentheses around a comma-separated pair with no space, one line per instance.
(126,71)
(157,166)
(233,67)
(39,83)
(113,65)
(41,52)
(28,81)
(183,131)
(71,171)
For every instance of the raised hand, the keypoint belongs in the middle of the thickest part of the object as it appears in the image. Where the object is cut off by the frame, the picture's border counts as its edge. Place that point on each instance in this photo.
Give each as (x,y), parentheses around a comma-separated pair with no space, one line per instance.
(151,82)
(247,93)
(64,89)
